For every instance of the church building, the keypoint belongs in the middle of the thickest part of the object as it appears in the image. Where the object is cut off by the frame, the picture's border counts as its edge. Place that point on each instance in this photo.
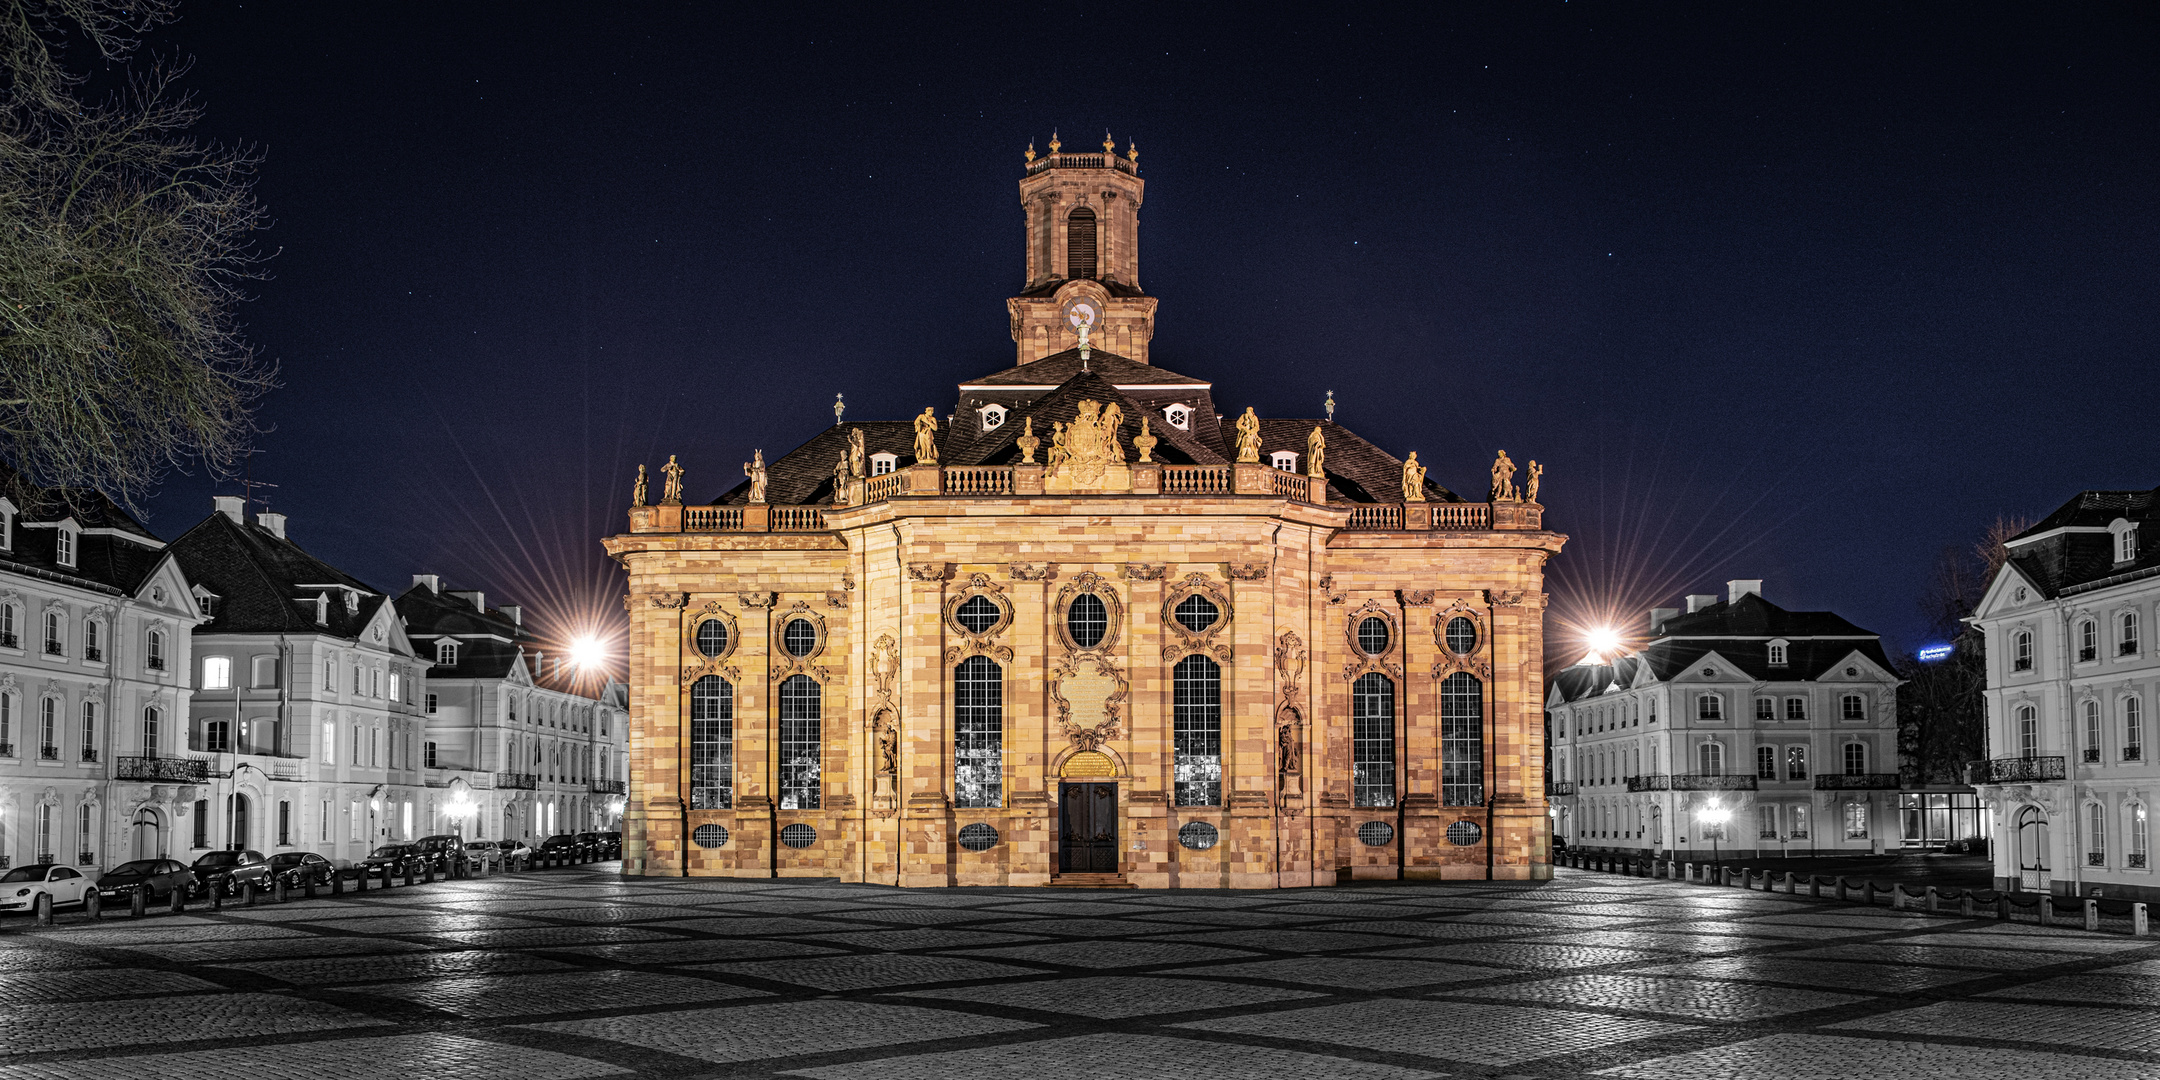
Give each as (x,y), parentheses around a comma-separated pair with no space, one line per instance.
(1085,630)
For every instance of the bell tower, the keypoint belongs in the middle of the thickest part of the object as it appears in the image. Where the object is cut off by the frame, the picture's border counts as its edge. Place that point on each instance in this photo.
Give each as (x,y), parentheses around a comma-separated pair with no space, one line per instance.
(1083,242)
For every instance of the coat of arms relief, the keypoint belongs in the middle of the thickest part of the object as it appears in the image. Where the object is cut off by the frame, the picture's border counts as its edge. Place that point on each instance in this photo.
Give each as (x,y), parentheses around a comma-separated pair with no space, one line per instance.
(1082,452)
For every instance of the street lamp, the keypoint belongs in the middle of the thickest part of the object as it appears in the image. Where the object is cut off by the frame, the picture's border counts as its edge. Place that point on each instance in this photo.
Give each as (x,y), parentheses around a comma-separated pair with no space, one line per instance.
(1715,815)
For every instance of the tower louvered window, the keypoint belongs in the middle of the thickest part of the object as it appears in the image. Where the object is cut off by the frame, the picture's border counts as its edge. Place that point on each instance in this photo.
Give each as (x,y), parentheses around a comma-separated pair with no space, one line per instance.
(1080,243)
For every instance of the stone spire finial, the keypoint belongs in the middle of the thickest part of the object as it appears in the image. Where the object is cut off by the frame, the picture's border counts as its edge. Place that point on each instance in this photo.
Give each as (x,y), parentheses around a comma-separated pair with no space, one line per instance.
(1329,405)
(1031,151)
(839,406)
(1109,145)
(1054,143)
(1132,151)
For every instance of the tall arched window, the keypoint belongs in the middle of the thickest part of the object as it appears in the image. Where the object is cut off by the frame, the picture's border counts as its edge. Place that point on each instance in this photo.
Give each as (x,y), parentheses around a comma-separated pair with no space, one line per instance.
(2095,834)
(1372,740)
(1196,727)
(150,718)
(2092,730)
(2088,637)
(2127,643)
(1080,243)
(2139,838)
(1462,740)
(2021,651)
(802,710)
(1710,759)
(89,730)
(712,744)
(48,729)
(2028,733)
(978,732)
(2133,729)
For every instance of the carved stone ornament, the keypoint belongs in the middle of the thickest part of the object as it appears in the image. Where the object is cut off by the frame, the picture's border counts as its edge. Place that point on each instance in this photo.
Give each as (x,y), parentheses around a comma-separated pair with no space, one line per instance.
(703,665)
(758,599)
(1247,571)
(1021,571)
(1512,598)
(1089,692)
(1289,658)
(1478,661)
(1086,584)
(1385,663)
(885,666)
(1091,443)
(785,664)
(929,571)
(983,643)
(1419,598)
(1144,572)
(1327,589)
(1179,641)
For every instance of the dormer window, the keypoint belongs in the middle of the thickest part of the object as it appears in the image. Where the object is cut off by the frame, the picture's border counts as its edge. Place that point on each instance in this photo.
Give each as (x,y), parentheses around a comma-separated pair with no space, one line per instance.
(206,600)
(993,417)
(64,546)
(880,464)
(1777,653)
(446,653)
(322,609)
(7,525)
(2125,533)
(1179,417)
(352,602)
(1286,460)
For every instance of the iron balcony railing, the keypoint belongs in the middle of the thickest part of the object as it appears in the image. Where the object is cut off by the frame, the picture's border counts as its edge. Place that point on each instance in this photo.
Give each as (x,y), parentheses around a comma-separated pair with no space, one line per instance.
(2014,770)
(1560,787)
(607,787)
(10,640)
(183,770)
(1856,781)
(517,780)
(1690,782)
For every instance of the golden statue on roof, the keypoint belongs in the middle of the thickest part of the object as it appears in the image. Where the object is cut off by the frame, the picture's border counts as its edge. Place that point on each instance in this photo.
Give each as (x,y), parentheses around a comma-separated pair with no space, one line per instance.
(1316,453)
(637,494)
(1248,436)
(671,490)
(926,436)
(1413,479)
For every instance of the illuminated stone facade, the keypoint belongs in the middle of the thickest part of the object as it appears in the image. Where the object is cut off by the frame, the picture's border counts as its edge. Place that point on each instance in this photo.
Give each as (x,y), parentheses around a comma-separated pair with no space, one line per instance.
(1086,632)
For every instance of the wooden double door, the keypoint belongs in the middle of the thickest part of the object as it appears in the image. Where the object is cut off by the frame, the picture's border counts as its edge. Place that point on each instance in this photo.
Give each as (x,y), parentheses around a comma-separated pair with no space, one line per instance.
(1087,828)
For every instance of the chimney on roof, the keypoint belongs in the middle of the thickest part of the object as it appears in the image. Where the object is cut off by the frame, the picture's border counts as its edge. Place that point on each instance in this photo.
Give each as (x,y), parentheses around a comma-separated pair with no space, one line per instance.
(432,581)
(474,597)
(1698,601)
(273,522)
(232,506)
(1739,587)
(515,613)
(1658,615)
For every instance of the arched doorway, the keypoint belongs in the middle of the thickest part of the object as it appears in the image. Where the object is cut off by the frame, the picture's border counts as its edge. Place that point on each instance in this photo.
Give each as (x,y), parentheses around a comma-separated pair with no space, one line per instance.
(2032,846)
(146,838)
(236,821)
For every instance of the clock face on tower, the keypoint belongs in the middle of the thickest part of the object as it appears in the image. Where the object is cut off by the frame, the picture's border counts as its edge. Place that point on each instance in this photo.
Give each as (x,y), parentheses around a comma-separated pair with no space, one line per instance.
(1080,311)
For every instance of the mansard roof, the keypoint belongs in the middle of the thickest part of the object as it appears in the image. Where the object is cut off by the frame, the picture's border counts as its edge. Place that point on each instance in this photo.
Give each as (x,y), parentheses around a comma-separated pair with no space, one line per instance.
(1740,632)
(1357,471)
(488,641)
(1061,406)
(803,476)
(261,578)
(2071,550)
(107,562)
(1057,368)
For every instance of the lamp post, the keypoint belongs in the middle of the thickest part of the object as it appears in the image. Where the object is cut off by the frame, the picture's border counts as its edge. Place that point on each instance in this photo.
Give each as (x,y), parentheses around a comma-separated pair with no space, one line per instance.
(1714,815)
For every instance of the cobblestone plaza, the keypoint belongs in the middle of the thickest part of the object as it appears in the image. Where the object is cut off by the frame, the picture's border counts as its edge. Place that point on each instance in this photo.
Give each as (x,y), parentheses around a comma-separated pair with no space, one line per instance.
(575,973)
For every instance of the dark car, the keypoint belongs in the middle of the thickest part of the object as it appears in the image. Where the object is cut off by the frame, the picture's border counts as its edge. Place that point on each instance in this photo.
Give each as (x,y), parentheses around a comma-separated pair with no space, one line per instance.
(298,869)
(228,871)
(394,856)
(561,846)
(614,842)
(158,877)
(439,849)
(598,846)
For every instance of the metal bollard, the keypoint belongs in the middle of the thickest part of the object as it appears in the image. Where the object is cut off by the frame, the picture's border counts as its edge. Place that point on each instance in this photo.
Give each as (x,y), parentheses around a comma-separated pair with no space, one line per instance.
(177,900)
(1934,902)
(1965,904)
(386,882)
(217,898)
(139,904)
(1841,888)
(1867,893)
(2002,907)
(43,907)
(408,873)
(2092,915)
(2139,927)
(277,893)
(427,873)
(93,905)
(1792,884)
(2047,909)
(307,888)
(247,894)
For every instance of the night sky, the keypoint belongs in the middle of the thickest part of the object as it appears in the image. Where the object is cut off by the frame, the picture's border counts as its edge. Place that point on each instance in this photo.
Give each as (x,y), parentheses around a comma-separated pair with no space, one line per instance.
(1788,292)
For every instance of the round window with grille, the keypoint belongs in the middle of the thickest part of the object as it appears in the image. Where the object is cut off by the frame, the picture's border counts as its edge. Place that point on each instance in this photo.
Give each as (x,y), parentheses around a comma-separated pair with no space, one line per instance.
(1372,636)
(1197,835)
(709,835)
(712,637)
(978,614)
(1461,635)
(978,837)
(1465,833)
(1376,834)
(1197,613)
(798,637)
(1087,620)
(798,835)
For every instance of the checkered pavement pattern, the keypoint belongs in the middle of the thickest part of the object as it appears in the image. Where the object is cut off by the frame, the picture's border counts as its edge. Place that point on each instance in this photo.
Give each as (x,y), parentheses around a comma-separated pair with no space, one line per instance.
(580,973)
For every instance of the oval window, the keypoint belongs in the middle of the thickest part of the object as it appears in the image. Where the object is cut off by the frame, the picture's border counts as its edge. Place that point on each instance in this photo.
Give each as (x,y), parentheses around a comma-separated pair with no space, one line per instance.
(798,637)
(712,637)
(798,835)
(1464,833)
(978,614)
(709,836)
(978,837)
(1197,613)
(1461,635)
(1197,835)
(1087,620)
(1372,636)
(1376,834)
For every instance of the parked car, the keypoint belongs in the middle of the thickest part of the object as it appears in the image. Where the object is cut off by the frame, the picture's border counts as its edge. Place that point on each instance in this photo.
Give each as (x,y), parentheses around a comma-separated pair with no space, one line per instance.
(614,843)
(483,855)
(598,846)
(21,887)
(227,871)
(515,853)
(157,877)
(394,856)
(439,849)
(562,846)
(298,869)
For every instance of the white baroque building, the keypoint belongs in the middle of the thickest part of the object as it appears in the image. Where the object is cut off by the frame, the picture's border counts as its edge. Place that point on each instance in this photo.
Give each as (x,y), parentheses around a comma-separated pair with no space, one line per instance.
(519,743)
(1785,719)
(95,621)
(2072,677)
